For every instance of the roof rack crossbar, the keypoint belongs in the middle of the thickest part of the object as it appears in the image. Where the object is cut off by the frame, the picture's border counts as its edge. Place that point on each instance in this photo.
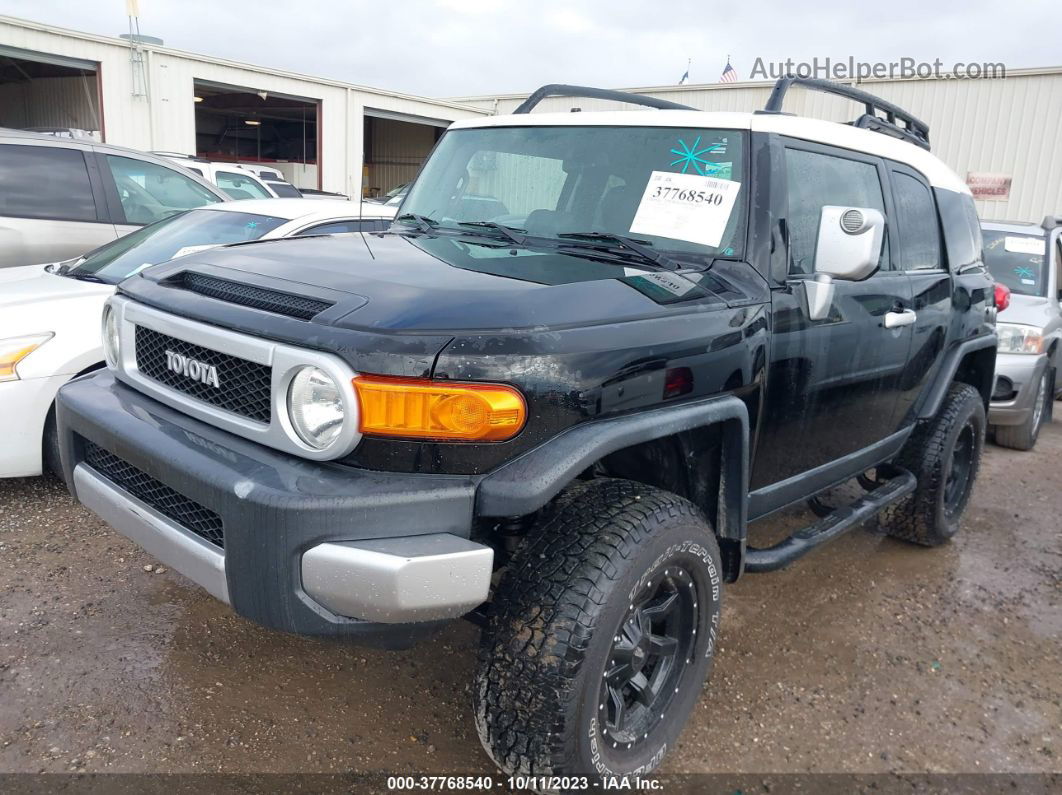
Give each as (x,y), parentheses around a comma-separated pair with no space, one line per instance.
(560,90)
(912,129)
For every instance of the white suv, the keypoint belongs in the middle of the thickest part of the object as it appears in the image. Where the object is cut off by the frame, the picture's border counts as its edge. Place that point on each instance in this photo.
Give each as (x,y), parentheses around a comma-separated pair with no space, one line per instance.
(238,182)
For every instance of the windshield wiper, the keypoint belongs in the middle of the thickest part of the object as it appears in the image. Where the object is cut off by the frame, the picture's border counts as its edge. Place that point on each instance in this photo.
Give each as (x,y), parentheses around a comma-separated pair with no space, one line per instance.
(85,277)
(512,233)
(422,222)
(641,248)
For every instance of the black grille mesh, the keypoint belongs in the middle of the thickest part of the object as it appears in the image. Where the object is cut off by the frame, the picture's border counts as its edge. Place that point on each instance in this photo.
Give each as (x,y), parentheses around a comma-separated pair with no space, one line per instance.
(244,386)
(189,514)
(296,306)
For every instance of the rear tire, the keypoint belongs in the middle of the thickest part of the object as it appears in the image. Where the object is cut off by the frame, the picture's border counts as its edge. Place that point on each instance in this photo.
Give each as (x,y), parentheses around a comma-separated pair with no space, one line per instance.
(600,635)
(944,453)
(1023,437)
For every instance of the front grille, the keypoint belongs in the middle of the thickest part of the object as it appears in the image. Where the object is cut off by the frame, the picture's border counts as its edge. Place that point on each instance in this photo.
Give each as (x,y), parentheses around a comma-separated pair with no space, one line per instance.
(275,301)
(187,513)
(243,386)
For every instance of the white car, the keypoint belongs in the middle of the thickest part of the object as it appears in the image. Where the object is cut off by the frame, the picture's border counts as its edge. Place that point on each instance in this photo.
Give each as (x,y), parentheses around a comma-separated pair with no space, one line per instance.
(50,314)
(236,181)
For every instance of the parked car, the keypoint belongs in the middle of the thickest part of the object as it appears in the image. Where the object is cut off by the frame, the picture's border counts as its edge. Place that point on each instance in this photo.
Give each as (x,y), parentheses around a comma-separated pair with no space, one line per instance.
(238,182)
(393,197)
(313,193)
(559,421)
(61,197)
(1028,260)
(50,314)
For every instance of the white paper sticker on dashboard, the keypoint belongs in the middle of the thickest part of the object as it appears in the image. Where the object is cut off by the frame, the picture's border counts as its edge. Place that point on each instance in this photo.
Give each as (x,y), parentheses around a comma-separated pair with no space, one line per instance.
(1024,245)
(686,207)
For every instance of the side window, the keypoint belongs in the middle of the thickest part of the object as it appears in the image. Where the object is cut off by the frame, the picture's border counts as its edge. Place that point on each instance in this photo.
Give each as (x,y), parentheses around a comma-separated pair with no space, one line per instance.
(339,227)
(150,192)
(239,186)
(45,182)
(916,217)
(816,180)
(962,229)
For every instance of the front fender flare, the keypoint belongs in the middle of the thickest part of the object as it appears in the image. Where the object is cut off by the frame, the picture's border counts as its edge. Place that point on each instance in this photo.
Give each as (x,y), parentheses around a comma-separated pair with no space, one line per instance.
(529,482)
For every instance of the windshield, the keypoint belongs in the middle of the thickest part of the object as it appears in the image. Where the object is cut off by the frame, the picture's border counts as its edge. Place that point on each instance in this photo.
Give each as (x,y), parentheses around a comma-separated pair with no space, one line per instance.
(1017,261)
(678,189)
(240,186)
(193,230)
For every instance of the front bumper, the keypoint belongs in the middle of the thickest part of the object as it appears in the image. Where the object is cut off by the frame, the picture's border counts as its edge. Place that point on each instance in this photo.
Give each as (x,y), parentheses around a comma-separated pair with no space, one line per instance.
(1022,372)
(24,407)
(301,546)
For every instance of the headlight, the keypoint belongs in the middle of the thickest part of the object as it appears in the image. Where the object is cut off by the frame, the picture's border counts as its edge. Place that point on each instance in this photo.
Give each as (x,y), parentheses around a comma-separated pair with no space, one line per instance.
(1014,338)
(315,407)
(14,349)
(111,340)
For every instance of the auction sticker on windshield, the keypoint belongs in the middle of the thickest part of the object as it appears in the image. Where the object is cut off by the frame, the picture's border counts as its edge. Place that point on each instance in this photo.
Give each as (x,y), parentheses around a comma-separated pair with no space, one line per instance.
(686,207)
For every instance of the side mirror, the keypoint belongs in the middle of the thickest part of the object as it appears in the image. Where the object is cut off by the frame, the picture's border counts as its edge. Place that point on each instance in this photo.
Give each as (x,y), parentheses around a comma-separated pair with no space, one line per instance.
(848,247)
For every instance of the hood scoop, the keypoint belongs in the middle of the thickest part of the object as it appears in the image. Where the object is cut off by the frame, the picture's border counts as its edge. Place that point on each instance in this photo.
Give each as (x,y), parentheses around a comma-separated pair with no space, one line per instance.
(267,300)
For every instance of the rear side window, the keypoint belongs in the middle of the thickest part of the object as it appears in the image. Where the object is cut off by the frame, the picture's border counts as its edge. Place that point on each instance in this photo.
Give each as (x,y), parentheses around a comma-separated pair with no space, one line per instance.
(916,216)
(45,182)
(816,180)
(962,228)
(339,227)
(150,192)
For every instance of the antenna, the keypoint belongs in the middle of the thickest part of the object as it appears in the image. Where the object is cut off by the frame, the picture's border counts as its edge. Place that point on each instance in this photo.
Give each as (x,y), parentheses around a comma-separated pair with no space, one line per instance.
(136,53)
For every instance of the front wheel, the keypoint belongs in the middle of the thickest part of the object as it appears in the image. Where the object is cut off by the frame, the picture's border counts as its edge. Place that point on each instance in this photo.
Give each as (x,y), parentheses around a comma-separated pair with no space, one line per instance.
(600,635)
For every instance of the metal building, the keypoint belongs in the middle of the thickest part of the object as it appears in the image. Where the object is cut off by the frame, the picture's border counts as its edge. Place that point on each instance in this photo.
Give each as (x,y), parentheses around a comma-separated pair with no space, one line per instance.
(1004,136)
(321,133)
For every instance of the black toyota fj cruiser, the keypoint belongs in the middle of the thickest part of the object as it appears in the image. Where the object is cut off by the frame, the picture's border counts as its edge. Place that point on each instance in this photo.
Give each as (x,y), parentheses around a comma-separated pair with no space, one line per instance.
(590,350)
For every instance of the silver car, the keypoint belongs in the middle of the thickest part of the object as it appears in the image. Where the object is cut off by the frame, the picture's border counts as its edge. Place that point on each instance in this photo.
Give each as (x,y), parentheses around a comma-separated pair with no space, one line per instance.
(1027,259)
(61,197)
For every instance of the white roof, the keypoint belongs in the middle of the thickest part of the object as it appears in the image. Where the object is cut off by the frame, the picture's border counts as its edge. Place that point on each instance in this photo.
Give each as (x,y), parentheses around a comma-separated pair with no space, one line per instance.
(807,129)
(296,209)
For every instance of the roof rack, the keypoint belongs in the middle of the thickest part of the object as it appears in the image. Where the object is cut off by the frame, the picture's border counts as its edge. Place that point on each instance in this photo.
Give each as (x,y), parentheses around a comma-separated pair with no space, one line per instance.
(1051,221)
(560,90)
(913,130)
(179,155)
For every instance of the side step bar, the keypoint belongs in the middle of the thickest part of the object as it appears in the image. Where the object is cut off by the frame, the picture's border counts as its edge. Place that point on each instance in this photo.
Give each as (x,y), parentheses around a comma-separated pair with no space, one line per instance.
(829,527)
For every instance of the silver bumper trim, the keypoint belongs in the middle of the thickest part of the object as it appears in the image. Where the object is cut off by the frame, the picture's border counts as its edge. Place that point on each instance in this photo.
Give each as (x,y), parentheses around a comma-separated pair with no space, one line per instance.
(398,580)
(164,539)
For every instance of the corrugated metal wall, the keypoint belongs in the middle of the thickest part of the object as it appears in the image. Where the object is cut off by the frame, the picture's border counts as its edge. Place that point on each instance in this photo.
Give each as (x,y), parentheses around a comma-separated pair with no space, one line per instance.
(51,102)
(394,153)
(164,119)
(1010,126)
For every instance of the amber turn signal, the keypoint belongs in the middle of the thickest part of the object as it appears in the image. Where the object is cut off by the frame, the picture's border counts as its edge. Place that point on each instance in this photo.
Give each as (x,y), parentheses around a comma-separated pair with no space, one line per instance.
(423,409)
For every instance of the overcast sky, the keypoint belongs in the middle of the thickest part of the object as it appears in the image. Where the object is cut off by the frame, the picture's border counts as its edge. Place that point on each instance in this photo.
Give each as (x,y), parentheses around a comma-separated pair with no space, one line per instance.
(466,47)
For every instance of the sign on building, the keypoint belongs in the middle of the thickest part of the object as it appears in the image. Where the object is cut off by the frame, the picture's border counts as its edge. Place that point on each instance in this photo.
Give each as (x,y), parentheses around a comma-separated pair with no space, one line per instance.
(989,187)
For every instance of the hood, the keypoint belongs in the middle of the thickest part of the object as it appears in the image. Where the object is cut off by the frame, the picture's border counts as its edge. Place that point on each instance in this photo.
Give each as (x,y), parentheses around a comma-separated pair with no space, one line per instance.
(33,299)
(444,283)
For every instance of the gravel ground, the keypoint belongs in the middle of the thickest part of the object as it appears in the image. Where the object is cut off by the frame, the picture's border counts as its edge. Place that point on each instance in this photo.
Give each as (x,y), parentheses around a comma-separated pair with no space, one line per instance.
(868,656)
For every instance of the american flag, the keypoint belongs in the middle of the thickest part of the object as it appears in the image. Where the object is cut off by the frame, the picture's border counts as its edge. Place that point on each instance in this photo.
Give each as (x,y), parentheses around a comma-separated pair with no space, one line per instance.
(729,75)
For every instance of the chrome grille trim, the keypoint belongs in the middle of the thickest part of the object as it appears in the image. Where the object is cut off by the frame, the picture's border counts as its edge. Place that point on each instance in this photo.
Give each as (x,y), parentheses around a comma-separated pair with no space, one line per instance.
(283,359)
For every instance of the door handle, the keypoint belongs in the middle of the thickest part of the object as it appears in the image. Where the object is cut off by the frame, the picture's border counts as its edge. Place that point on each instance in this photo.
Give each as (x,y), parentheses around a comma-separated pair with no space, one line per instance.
(904,317)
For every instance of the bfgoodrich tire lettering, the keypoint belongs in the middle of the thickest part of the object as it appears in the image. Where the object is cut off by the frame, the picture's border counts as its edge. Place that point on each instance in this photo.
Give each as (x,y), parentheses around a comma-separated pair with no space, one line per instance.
(613,558)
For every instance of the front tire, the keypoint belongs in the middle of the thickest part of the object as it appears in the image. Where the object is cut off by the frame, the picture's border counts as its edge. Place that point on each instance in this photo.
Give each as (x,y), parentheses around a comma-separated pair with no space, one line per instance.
(600,635)
(944,453)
